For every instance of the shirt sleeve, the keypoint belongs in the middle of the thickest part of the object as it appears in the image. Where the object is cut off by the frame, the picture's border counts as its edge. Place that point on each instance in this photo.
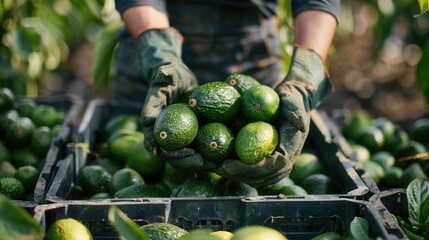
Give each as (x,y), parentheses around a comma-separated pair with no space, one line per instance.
(329,6)
(122,5)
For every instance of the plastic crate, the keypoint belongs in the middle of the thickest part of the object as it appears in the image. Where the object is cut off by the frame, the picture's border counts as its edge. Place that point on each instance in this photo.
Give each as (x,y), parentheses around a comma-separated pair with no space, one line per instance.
(296,218)
(337,165)
(391,203)
(73,106)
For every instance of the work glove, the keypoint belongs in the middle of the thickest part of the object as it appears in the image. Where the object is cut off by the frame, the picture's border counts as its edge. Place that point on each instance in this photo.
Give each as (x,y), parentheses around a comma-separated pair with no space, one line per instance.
(157,57)
(304,87)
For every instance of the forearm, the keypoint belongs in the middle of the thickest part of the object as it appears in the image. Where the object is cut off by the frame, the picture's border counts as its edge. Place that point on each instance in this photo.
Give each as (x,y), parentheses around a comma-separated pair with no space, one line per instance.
(315,30)
(141,18)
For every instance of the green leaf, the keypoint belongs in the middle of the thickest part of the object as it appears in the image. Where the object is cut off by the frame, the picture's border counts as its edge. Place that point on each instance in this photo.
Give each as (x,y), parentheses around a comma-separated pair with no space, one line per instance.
(424,7)
(417,194)
(422,72)
(412,236)
(199,234)
(17,223)
(125,226)
(425,214)
(105,49)
(359,228)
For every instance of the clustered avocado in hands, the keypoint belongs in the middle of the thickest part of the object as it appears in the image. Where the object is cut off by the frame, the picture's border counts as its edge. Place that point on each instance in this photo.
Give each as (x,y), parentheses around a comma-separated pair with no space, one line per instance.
(221,120)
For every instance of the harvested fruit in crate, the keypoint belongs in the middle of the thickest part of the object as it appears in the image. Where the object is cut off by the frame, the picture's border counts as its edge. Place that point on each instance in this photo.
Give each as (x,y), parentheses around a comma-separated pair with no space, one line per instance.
(392,155)
(27,130)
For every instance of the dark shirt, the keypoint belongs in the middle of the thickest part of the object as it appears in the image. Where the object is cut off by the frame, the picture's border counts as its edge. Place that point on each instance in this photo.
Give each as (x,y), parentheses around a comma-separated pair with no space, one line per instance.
(267,7)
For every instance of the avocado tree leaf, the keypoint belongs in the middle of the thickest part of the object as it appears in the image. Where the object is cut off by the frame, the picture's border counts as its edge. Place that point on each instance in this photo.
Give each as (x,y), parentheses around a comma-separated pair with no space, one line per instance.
(425,214)
(424,7)
(16,223)
(125,226)
(359,228)
(422,72)
(417,194)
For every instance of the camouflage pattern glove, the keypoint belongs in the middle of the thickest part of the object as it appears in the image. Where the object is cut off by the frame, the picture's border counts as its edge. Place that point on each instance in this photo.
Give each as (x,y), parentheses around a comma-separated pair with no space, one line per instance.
(158,60)
(302,90)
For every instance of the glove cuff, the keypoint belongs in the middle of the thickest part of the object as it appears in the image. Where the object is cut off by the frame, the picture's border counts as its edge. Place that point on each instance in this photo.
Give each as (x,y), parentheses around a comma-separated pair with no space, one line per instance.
(156,47)
(308,67)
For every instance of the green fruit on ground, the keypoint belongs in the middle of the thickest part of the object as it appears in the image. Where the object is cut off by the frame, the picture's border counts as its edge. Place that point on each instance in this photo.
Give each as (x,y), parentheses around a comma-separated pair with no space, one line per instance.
(6,99)
(384,159)
(370,137)
(215,102)
(44,115)
(121,148)
(410,149)
(412,172)
(124,178)
(241,82)
(305,165)
(41,140)
(273,189)
(110,165)
(328,236)
(19,133)
(25,107)
(123,133)
(140,191)
(420,130)
(400,139)
(223,235)
(146,164)
(196,187)
(61,117)
(255,232)
(28,176)
(94,179)
(123,121)
(260,103)
(214,141)
(375,171)
(4,153)
(255,141)
(175,127)
(24,157)
(164,231)
(12,188)
(318,184)
(393,177)
(387,127)
(101,195)
(293,190)
(7,169)
(6,119)
(68,228)
(172,177)
(360,153)
(359,120)
(230,188)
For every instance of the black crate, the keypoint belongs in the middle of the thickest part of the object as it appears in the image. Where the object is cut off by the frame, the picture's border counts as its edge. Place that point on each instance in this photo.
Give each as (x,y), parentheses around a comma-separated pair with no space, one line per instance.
(322,139)
(94,214)
(296,218)
(73,107)
(389,204)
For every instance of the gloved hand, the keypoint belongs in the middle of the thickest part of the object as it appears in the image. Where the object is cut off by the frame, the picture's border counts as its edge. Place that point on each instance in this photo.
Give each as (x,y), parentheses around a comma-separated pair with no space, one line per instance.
(304,87)
(158,60)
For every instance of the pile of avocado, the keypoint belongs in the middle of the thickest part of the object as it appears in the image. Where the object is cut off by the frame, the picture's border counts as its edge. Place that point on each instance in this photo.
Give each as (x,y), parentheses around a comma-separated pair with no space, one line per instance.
(27,130)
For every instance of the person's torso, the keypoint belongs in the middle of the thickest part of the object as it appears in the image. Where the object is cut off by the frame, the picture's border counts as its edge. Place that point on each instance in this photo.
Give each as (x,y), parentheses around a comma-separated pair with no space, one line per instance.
(223,37)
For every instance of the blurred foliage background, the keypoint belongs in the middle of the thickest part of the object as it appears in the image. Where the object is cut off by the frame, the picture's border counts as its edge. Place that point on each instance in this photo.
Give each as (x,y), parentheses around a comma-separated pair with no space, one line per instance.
(379,60)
